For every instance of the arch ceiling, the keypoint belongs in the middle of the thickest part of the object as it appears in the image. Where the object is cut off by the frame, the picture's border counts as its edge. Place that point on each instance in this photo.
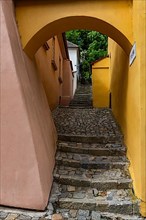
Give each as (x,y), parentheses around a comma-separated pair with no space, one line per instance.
(38,22)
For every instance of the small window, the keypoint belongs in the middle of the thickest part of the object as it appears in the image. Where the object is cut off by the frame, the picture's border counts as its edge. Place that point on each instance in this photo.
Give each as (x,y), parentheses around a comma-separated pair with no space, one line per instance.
(46,46)
(53,54)
(53,48)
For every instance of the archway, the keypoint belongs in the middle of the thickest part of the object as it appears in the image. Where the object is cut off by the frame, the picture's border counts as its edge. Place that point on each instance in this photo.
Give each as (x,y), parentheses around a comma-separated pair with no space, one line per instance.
(76,22)
(110,18)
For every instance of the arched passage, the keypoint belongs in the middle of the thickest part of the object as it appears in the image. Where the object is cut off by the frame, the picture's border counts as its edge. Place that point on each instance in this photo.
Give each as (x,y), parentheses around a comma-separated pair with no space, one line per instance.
(39,21)
(77,22)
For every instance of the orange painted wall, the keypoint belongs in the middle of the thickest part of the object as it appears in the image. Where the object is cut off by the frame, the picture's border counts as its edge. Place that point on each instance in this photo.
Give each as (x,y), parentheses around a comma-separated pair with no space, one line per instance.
(67,86)
(49,76)
(56,92)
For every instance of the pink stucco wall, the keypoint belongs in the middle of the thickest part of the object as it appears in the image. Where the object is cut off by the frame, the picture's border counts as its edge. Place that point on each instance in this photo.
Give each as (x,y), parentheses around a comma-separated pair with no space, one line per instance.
(28,135)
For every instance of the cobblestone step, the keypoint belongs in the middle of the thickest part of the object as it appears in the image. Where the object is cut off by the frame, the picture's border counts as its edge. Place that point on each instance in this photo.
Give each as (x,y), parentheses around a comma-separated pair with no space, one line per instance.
(81,101)
(81,104)
(91,199)
(91,178)
(91,162)
(93,215)
(84,104)
(93,149)
(81,107)
(68,214)
(9,213)
(87,125)
(91,139)
(99,179)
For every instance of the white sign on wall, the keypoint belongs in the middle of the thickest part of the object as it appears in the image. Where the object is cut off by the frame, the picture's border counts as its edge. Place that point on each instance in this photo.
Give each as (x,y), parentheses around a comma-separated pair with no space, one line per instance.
(132,54)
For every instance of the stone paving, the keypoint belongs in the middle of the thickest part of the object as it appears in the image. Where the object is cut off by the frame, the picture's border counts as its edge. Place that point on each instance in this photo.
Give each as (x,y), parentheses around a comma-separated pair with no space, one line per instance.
(7,213)
(67,214)
(86,123)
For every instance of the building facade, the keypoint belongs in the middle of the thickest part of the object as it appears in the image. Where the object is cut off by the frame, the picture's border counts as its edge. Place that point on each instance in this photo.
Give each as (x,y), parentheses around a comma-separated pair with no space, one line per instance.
(55,71)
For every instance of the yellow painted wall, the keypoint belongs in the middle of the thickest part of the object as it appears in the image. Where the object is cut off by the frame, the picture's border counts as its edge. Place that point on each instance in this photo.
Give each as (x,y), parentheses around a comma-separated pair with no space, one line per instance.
(139,32)
(101,83)
(44,19)
(128,99)
(49,76)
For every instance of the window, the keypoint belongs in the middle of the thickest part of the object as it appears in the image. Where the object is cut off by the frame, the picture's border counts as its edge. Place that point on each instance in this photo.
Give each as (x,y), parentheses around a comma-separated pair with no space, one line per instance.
(53,54)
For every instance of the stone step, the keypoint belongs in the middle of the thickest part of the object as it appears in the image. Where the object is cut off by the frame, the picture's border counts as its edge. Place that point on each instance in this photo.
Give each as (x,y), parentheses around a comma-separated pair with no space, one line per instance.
(93,215)
(81,107)
(91,162)
(83,101)
(112,201)
(91,139)
(81,98)
(93,149)
(95,178)
(83,94)
(80,104)
(87,125)
(91,175)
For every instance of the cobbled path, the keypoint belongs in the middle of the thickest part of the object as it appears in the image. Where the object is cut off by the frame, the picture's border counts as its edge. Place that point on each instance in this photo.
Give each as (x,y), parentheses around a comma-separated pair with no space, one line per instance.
(86,122)
(91,177)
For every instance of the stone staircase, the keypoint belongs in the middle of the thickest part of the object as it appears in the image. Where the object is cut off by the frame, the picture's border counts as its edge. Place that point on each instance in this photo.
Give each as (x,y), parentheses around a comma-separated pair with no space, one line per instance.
(82,97)
(91,177)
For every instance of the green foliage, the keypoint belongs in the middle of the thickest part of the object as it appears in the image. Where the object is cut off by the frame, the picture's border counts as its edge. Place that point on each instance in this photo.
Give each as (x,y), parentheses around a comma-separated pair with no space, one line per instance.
(85,65)
(78,37)
(93,45)
(85,69)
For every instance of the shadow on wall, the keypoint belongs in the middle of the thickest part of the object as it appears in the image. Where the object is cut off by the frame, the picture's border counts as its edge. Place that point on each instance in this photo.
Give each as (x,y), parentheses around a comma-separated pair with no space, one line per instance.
(119,84)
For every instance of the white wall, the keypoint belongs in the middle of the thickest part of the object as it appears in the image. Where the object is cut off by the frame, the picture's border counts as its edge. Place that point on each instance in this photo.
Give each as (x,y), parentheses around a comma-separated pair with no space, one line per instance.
(73,57)
(73,54)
